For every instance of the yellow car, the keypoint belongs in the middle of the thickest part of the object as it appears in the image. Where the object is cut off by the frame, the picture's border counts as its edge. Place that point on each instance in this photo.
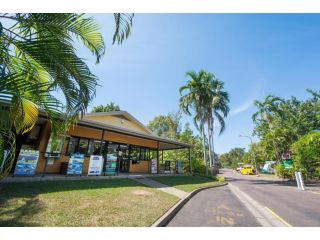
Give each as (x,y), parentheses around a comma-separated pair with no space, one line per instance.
(247,170)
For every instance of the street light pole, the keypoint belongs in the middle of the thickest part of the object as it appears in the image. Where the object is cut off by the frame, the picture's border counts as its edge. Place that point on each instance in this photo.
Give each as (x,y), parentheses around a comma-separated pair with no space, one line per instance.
(254,158)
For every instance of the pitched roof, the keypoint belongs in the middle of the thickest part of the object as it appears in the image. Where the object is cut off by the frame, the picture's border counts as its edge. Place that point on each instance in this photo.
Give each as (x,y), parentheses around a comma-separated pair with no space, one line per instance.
(124,115)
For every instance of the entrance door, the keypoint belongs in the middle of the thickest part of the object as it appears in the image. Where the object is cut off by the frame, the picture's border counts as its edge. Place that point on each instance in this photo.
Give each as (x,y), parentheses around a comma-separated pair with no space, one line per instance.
(124,159)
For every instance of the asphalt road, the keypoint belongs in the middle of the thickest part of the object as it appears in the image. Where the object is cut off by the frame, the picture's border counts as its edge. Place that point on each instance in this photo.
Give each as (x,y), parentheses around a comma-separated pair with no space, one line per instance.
(216,207)
(298,208)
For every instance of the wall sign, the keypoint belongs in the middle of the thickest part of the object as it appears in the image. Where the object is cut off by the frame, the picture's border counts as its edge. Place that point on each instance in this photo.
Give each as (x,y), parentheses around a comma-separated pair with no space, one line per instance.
(75,163)
(95,165)
(27,162)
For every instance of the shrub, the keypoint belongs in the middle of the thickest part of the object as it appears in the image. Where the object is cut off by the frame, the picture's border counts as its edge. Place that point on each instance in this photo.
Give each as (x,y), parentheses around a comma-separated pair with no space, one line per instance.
(220,179)
(306,152)
(198,167)
(284,173)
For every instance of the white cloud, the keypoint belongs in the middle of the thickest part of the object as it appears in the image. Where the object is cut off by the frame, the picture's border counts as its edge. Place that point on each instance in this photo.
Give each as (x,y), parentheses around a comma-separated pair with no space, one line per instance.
(242,108)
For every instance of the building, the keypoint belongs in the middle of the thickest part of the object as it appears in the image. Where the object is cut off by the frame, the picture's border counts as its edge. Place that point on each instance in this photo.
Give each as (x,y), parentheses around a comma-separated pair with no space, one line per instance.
(117,136)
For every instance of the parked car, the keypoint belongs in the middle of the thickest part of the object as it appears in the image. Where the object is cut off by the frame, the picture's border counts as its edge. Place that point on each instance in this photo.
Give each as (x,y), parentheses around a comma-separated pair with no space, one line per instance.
(247,170)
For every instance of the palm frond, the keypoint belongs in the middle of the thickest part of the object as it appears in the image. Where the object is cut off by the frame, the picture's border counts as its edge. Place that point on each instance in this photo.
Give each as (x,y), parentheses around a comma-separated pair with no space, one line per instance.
(123,26)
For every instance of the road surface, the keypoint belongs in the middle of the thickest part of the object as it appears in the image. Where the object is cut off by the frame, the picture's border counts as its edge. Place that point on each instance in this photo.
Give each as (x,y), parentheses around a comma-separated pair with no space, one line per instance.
(215,207)
(297,208)
(251,201)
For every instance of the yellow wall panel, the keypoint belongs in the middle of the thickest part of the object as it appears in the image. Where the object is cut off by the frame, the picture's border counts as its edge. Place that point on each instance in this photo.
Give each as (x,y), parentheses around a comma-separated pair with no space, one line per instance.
(118,122)
(141,167)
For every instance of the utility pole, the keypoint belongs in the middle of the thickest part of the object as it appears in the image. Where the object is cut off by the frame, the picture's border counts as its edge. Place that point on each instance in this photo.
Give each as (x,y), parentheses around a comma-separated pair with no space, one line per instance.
(253,154)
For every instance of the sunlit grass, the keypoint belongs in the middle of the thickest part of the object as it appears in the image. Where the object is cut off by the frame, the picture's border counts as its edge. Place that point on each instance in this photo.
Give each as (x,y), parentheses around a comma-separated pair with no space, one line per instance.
(112,202)
(186,183)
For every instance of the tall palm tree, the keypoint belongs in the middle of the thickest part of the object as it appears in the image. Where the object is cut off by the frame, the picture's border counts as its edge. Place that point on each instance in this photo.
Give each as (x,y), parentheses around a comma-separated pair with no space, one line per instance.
(216,106)
(37,59)
(193,99)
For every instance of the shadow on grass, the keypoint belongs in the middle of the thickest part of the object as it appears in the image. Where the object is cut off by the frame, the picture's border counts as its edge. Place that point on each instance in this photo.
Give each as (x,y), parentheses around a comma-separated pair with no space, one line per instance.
(27,210)
(29,191)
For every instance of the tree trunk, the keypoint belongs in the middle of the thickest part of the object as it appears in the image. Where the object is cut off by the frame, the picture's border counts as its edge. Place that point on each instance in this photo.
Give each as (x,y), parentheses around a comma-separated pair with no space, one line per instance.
(209,143)
(214,166)
(204,150)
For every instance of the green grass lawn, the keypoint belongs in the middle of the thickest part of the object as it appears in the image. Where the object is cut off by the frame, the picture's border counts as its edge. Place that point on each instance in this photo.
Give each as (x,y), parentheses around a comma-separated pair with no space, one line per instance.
(111,202)
(186,183)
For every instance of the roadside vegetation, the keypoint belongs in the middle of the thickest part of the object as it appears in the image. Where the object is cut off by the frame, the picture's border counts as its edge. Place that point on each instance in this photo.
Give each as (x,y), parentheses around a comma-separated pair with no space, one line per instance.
(285,127)
(87,203)
(188,183)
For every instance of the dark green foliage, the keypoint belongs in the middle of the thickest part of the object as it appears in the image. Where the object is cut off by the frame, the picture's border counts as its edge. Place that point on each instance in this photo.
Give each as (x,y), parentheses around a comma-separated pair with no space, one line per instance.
(232,158)
(306,153)
(110,107)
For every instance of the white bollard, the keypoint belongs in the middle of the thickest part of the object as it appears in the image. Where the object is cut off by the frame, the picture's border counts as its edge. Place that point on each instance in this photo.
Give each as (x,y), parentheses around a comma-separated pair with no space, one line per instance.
(301,181)
(298,181)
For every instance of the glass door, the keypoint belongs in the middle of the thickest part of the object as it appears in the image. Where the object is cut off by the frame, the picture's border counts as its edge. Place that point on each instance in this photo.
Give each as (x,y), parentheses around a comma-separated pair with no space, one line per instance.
(124,158)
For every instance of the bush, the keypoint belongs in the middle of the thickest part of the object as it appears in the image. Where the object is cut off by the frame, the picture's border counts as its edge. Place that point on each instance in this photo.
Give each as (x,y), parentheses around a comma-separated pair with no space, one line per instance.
(306,153)
(220,179)
(284,173)
(317,172)
(198,167)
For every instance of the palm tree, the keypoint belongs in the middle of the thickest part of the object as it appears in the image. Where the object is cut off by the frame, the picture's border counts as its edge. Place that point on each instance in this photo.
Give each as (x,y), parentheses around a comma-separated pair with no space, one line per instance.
(194,99)
(216,106)
(266,109)
(269,106)
(38,58)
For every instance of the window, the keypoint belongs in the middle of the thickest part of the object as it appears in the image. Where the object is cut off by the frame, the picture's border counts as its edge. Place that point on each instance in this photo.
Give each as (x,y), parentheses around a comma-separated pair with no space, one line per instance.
(73,145)
(95,147)
(55,147)
(83,145)
(144,153)
(135,154)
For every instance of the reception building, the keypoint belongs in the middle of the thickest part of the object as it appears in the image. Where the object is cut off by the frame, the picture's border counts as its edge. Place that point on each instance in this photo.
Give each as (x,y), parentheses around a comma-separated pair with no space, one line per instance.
(126,145)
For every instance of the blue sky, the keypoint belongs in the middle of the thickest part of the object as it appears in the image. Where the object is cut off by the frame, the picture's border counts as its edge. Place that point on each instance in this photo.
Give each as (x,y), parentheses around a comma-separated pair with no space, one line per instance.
(254,54)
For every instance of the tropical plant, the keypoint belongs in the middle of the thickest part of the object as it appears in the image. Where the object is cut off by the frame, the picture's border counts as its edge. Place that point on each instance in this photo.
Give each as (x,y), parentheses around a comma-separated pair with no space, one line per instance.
(216,107)
(205,95)
(37,59)
(306,153)
(194,99)
(110,107)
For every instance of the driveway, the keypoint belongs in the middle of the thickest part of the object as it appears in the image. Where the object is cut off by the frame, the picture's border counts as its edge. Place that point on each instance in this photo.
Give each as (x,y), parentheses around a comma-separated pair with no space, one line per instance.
(282,198)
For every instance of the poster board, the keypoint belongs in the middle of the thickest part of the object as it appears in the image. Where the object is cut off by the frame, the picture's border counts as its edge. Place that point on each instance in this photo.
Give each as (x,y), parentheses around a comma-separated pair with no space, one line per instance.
(27,162)
(154,166)
(75,164)
(179,166)
(110,167)
(95,165)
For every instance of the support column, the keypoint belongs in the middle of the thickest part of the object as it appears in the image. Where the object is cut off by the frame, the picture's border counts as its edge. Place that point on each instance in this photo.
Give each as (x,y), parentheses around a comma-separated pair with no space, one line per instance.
(158,158)
(190,167)
(102,139)
(162,156)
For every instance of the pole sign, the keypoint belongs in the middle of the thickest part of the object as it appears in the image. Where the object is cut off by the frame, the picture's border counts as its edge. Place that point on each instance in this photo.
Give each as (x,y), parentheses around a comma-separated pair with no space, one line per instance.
(95,165)
(27,162)
(75,164)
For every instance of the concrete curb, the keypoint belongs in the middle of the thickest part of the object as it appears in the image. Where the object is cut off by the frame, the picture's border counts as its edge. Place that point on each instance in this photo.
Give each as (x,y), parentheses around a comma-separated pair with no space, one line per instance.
(165,218)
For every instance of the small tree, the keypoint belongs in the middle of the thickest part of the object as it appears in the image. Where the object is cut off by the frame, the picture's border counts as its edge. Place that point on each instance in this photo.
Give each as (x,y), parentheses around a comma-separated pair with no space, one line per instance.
(306,153)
